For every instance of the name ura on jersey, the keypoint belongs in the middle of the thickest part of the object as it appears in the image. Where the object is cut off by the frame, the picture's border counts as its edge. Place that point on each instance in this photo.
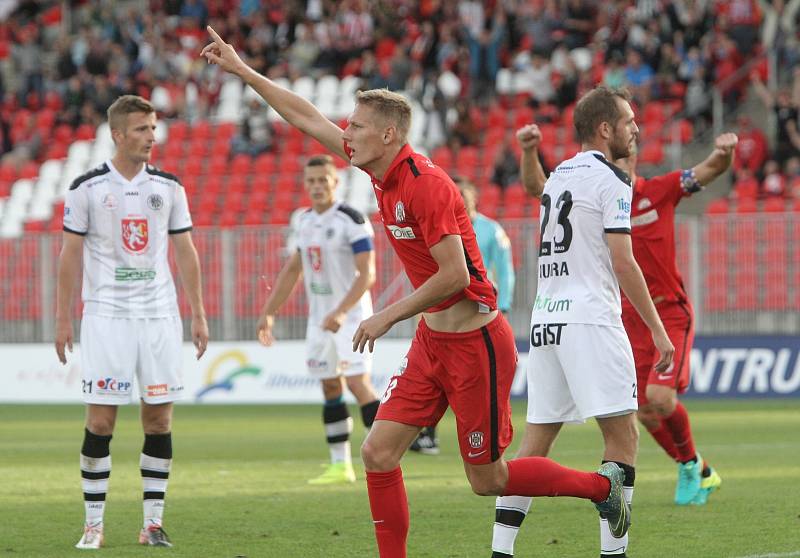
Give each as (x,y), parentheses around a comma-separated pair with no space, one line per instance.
(553,269)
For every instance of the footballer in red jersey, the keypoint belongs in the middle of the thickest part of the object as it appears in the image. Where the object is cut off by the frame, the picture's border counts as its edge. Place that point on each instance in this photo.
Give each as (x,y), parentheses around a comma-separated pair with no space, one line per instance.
(653,233)
(463,354)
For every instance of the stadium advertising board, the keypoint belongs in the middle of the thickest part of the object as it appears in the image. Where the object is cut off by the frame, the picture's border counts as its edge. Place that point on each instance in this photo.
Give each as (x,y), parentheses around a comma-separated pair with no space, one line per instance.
(249,373)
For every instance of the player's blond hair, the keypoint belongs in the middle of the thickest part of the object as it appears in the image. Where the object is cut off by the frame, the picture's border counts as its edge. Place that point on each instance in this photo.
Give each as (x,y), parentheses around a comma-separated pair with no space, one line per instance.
(391,106)
(127,104)
(597,106)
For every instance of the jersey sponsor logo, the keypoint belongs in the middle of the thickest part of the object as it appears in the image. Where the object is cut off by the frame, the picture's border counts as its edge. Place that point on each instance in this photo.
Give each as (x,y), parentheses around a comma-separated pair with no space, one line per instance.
(157,390)
(548,304)
(155,202)
(134,274)
(546,334)
(475,440)
(553,269)
(401,233)
(315,257)
(112,385)
(135,234)
(320,288)
(624,205)
(109,202)
(399,212)
(645,218)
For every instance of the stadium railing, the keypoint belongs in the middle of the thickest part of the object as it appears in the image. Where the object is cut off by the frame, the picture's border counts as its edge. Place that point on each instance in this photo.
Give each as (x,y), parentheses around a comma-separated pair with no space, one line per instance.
(741,271)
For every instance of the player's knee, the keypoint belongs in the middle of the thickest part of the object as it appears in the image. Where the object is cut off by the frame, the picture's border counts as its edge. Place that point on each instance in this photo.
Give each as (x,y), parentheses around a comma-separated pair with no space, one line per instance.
(649,418)
(356,385)
(377,458)
(331,389)
(486,485)
(663,403)
(101,426)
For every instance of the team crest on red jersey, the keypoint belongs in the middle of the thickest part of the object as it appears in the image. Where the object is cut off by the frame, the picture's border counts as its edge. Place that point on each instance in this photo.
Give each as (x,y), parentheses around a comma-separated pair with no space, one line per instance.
(135,234)
(399,212)
(315,257)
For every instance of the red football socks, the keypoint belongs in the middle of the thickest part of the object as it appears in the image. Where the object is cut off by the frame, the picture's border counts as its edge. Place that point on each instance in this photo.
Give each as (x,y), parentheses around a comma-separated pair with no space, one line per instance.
(389,505)
(678,425)
(664,438)
(540,476)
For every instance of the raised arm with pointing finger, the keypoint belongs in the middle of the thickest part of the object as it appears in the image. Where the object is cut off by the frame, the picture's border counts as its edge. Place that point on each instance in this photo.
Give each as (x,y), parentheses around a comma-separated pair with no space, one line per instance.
(294,109)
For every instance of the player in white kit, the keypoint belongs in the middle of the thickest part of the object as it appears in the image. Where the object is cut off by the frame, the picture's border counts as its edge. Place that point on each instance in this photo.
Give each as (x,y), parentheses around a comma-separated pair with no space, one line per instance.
(118,217)
(333,252)
(580,364)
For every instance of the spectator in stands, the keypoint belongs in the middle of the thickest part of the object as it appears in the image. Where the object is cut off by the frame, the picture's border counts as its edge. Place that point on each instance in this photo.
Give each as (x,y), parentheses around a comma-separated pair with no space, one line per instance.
(27,58)
(697,99)
(751,151)
(484,54)
(744,18)
(464,127)
(787,137)
(614,73)
(506,166)
(539,77)
(638,76)
(774,183)
(578,23)
(255,131)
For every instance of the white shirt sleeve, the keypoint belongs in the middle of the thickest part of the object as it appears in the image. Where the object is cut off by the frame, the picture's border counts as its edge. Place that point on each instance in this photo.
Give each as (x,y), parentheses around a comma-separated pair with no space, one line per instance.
(359,231)
(615,201)
(179,218)
(76,211)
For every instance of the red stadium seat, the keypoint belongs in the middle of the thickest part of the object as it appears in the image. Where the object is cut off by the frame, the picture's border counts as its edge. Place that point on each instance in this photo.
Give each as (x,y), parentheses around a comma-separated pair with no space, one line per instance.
(775,205)
(717,206)
(652,153)
(746,206)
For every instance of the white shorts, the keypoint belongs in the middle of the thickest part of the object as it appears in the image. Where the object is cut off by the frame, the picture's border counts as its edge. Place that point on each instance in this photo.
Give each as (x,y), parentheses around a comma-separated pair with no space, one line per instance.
(579,371)
(329,354)
(114,351)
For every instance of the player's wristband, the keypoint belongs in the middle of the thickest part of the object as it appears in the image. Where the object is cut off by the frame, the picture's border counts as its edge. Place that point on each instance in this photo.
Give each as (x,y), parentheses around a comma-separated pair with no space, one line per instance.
(689,181)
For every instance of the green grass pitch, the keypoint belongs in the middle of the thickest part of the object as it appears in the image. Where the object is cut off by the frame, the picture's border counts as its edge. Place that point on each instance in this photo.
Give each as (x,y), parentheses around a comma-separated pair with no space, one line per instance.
(238,489)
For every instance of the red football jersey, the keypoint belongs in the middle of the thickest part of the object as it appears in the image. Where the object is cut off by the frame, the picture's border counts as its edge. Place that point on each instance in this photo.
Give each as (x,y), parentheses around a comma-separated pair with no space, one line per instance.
(653,234)
(419,204)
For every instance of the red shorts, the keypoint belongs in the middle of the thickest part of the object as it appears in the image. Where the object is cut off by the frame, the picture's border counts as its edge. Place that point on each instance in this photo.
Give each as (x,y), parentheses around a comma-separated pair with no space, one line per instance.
(678,319)
(471,372)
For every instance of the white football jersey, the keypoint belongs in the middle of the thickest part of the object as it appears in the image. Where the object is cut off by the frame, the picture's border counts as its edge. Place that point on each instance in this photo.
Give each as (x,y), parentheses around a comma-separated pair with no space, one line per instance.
(327,243)
(126,225)
(584,198)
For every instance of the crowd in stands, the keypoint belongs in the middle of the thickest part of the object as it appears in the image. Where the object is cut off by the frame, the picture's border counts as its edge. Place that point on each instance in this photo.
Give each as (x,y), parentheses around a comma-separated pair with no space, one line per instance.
(62,64)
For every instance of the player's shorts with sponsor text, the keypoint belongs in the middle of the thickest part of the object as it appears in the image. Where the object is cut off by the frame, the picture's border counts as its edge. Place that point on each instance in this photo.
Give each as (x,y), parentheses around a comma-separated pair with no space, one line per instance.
(579,371)
(472,372)
(115,350)
(329,354)
(678,319)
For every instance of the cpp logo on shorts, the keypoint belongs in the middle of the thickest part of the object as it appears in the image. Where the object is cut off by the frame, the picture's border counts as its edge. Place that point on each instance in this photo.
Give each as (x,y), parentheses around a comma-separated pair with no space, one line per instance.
(317,365)
(475,439)
(107,385)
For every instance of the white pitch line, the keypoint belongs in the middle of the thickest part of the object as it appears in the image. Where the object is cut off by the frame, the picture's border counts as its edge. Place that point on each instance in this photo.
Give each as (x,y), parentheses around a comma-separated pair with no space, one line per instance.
(785,555)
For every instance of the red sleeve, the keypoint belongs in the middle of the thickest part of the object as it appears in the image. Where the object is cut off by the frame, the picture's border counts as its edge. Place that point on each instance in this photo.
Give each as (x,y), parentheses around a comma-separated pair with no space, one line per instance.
(434,205)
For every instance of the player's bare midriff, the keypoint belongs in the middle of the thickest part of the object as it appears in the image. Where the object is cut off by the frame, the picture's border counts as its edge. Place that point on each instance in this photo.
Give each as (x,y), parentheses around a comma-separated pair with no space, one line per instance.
(460,317)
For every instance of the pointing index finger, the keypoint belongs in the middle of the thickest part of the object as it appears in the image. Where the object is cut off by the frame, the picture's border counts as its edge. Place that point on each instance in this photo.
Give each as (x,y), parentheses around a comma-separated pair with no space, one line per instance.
(215,35)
